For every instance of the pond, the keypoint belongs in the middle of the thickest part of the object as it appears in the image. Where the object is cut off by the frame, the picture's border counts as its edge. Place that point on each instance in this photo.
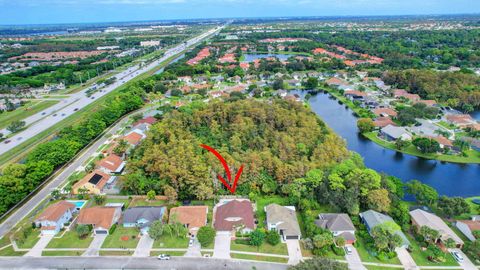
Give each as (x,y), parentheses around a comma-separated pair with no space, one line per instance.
(252,57)
(447,178)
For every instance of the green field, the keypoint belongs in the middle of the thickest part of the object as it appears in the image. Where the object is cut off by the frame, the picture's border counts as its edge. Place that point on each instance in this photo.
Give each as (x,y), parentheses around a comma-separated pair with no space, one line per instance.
(25,111)
(171,242)
(62,253)
(31,240)
(115,253)
(70,240)
(171,253)
(8,251)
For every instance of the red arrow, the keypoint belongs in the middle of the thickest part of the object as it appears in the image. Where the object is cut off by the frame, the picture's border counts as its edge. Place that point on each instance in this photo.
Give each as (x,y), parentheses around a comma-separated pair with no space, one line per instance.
(227,170)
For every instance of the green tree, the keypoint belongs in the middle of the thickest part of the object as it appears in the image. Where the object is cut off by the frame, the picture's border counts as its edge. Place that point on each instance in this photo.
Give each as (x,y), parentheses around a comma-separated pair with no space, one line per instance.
(257,237)
(82,230)
(319,263)
(206,235)
(151,195)
(424,194)
(15,126)
(378,200)
(401,144)
(340,241)
(426,145)
(156,229)
(365,125)
(385,236)
(99,199)
(323,240)
(272,237)
(310,83)
(453,206)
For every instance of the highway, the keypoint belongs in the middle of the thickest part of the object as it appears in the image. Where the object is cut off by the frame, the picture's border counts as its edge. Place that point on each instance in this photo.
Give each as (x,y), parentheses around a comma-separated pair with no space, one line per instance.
(52,115)
(180,263)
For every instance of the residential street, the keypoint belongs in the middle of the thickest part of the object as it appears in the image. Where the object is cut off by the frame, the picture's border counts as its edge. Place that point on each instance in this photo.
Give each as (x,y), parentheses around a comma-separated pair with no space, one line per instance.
(144,246)
(222,245)
(354,261)
(95,246)
(182,263)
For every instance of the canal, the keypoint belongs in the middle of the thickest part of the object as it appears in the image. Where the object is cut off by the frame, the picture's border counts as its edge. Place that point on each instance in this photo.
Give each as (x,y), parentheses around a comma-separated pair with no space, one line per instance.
(447,178)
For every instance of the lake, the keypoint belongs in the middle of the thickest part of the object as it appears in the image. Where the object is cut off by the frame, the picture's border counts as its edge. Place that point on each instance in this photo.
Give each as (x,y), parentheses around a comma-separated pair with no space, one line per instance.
(447,178)
(252,57)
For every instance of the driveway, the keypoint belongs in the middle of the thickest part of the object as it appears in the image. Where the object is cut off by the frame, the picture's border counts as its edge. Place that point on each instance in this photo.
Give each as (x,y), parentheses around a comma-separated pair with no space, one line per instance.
(144,246)
(222,245)
(194,250)
(36,250)
(95,246)
(294,251)
(406,260)
(466,264)
(353,260)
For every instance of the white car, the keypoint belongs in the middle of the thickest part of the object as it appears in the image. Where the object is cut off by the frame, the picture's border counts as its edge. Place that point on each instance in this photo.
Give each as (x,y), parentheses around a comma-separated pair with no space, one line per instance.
(348,250)
(190,243)
(163,257)
(457,256)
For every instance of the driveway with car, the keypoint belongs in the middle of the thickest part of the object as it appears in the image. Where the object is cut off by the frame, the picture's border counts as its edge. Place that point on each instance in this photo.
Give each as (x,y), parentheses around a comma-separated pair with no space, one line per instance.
(222,245)
(465,263)
(194,249)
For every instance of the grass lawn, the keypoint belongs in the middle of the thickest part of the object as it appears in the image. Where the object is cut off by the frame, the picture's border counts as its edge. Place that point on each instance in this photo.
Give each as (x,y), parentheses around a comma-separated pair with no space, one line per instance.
(62,253)
(420,257)
(171,242)
(367,257)
(143,202)
(70,240)
(211,246)
(258,258)
(5,241)
(171,253)
(8,251)
(116,239)
(115,253)
(31,240)
(373,267)
(280,248)
(30,108)
(474,209)
(472,155)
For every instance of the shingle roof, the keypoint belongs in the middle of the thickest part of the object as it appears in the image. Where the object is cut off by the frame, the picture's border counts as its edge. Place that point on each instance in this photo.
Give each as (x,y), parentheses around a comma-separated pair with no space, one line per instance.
(423,218)
(97,216)
(285,218)
(335,222)
(194,216)
(55,211)
(395,132)
(373,218)
(234,213)
(149,213)
(112,162)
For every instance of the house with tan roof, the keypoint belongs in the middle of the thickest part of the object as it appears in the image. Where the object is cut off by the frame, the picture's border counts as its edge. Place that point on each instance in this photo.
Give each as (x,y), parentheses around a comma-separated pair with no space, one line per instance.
(234,216)
(101,218)
(193,217)
(54,217)
(134,137)
(467,227)
(400,93)
(339,224)
(421,218)
(384,112)
(93,183)
(284,220)
(382,122)
(461,120)
(111,164)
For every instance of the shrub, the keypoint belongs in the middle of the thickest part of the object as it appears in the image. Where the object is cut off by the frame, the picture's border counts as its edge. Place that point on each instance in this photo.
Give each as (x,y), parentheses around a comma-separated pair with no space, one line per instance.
(273,238)
(206,235)
(338,250)
(82,230)
(112,229)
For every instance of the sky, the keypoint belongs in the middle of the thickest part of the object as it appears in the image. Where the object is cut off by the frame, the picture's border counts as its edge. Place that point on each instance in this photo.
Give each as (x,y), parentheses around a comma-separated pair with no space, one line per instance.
(83,11)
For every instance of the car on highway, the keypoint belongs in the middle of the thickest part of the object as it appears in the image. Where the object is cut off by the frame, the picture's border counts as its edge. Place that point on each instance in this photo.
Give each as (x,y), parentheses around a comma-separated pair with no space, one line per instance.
(163,257)
(457,256)
(54,115)
(63,114)
(43,113)
(7,141)
(92,97)
(76,109)
(19,138)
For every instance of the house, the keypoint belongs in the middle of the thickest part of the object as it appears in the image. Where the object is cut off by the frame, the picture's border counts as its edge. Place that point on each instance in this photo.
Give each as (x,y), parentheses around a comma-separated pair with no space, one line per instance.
(467,227)
(382,122)
(111,164)
(193,217)
(373,218)
(134,137)
(384,112)
(234,215)
(284,220)
(428,102)
(461,120)
(93,183)
(336,82)
(400,93)
(443,142)
(150,120)
(143,216)
(392,133)
(339,224)
(54,217)
(355,95)
(421,218)
(101,218)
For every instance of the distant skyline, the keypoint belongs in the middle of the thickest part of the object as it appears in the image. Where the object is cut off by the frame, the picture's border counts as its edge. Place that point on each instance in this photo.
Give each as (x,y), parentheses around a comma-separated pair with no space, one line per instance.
(84,11)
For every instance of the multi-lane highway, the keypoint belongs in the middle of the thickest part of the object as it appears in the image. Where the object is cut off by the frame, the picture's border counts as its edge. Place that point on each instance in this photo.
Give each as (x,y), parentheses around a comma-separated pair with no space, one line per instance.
(49,117)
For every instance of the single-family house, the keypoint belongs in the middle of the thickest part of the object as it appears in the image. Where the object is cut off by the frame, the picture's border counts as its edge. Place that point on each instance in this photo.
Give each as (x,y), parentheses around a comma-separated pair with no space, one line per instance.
(54,217)
(143,216)
(400,93)
(382,122)
(134,137)
(392,133)
(111,164)
(421,218)
(193,217)
(385,112)
(461,120)
(101,218)
(467,227)
(428,102)
(373,218)
(93,183)
(443,142)
(150,120)
(234,215)
(339,224)
(355,95)
(283,219)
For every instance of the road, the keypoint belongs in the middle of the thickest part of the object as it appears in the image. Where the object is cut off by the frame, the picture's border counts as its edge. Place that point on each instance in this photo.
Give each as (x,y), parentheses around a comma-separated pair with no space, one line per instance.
(47,118)
(181,263)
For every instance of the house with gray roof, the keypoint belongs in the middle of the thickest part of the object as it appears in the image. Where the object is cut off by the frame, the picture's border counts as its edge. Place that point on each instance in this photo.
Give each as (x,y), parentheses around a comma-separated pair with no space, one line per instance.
(423,218)
(373,218)
(339,224)
(392,133)
(143,216)
(284,220)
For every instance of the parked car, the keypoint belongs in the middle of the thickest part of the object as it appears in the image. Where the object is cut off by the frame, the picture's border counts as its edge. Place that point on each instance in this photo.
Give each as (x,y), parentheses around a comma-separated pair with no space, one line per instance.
(457,256)
(19,138)
(348,250)
(63,114)
(43,113)
(190,243)
(55,114)
(7,141)
(163,257)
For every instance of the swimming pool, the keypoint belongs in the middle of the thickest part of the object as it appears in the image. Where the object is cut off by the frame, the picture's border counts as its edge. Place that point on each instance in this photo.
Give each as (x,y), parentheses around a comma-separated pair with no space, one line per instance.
(78,204)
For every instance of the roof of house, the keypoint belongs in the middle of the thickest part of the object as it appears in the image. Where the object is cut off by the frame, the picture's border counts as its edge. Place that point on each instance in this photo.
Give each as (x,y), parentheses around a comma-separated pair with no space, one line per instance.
(443,141)
(97,216)
(55,211)
(234,213)
(460,118)
(385,111)
(336,81)
(112,163)
(355,93)
(285,218)
(193,216)
(96,178)
(133,138)
(373,218)
(148,120)
(383,122)
(335,222)
(473,225)
(423,218)
(148,213)
(395,132)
